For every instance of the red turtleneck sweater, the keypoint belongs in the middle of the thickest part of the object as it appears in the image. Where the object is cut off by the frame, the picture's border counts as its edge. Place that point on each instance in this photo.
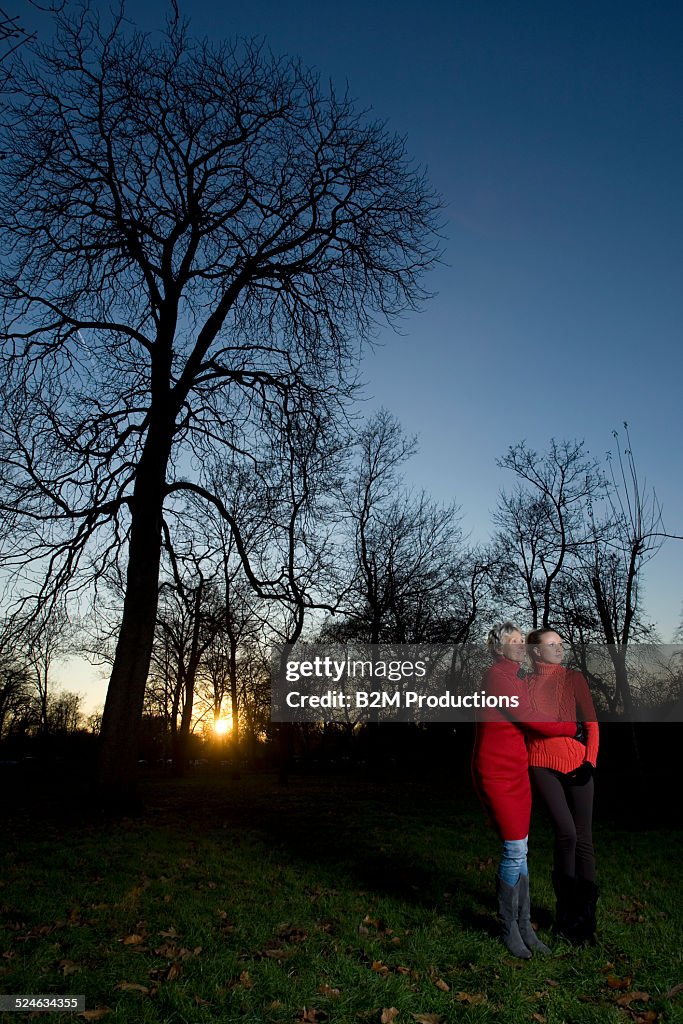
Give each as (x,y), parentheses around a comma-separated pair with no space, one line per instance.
(562,694)
(500,762)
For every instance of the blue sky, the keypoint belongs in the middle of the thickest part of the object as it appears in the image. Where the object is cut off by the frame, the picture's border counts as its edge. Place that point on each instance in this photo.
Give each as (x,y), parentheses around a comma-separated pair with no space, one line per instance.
(554,132)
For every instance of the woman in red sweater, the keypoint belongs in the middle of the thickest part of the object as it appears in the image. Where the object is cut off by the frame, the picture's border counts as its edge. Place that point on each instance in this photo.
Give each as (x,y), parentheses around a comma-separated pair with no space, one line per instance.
(500,770)
(561,770)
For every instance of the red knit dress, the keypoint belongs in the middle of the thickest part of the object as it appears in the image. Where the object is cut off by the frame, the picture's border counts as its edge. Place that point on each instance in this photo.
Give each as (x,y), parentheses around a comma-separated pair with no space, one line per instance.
(561,693)
(500,760)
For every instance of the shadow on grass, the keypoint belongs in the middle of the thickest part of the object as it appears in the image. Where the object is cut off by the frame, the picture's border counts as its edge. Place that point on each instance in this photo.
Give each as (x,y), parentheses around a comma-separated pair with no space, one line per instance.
(423,841)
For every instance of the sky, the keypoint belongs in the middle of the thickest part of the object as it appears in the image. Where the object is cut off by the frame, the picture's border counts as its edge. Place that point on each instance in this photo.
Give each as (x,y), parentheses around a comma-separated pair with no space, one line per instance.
(554,133)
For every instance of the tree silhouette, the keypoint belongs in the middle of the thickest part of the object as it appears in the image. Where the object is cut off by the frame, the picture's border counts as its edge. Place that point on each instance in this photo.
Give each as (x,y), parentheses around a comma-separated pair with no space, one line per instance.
(195,237)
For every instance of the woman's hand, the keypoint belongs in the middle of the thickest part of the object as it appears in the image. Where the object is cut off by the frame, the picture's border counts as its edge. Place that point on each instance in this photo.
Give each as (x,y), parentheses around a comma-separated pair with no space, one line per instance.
(581,735)
(581,774)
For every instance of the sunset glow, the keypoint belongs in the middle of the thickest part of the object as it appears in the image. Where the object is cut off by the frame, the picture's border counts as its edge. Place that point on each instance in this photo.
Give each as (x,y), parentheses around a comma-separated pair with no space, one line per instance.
(222,726)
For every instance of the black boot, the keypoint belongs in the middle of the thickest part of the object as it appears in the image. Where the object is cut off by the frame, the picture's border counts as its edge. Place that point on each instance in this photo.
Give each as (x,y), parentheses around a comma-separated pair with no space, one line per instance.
(508,910)
(528,935)
(565,906)
(585,904)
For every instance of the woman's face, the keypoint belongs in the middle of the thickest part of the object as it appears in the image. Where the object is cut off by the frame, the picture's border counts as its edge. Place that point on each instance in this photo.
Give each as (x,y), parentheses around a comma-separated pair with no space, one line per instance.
(549,649)
(513,647)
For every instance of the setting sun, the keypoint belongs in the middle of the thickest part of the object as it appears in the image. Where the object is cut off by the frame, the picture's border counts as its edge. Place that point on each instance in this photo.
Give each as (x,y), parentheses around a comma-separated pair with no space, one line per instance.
(222,726)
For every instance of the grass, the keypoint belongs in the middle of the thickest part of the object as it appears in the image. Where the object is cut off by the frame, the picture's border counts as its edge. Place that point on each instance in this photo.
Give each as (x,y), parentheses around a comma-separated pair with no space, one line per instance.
(330,900)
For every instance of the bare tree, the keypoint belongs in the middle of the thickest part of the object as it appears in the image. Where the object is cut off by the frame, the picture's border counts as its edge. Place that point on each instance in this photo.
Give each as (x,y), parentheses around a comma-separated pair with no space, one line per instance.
(12,36)
(629,536)
(410,578)
(543,522)
(46,637)
(577,539)
(17,697)
(194,237)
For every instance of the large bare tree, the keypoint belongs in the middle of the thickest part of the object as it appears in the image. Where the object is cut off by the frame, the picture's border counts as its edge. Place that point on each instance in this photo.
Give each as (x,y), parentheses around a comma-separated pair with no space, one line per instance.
(195,237)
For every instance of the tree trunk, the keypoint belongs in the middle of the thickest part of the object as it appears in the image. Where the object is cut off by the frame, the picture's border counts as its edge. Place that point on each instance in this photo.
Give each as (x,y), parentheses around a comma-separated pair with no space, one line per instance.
(234,704)
(122,715)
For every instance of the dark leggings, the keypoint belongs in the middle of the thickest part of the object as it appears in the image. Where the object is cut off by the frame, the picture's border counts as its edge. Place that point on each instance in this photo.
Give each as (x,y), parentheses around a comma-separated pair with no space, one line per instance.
(571,810)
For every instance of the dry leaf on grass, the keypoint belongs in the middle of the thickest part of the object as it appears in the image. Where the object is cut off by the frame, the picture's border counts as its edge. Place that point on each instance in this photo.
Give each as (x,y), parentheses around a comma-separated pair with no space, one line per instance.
(427,1018)
(331,993)
(309,1016)
(470,997)
(96,1014)
(618,983)
(133,940)
(630,997)
(132,986)
(441,984)
(68,967)
(389,1014)
(676,990)
(379,968)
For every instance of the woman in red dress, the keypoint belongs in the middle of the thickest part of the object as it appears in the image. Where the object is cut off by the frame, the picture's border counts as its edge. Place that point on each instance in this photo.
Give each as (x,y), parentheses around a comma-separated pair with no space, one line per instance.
(561,772)
(500,769)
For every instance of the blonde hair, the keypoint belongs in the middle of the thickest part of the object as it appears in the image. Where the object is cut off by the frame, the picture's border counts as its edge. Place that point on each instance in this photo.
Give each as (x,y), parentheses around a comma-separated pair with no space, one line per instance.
(499,632)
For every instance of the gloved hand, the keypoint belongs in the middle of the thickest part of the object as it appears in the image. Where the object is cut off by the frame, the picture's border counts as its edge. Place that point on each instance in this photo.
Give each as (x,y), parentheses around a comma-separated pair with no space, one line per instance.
(581,774)
(581,735)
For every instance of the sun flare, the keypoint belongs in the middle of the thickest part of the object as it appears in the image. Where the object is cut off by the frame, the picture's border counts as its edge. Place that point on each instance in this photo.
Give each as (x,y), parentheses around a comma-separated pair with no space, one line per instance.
(222,726)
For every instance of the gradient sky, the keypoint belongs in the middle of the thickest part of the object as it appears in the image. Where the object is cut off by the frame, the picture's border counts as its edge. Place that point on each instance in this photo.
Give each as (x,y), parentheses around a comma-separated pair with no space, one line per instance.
(554,132)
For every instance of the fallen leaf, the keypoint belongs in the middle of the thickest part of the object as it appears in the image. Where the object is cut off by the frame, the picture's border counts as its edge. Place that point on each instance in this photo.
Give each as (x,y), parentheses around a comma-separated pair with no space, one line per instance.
(68,967)
(674,991)
(245,980)
(641,997)
(470,997)
(133,940)
(201,1002)
(168,950)
(549,981)
(388,1014)
(170,933)
(309,1016)
(441,984)
(379,967)
(427,1018)
(174,971)
(331,993)
(539,1017)
(96,1014)
(618,983)
(132,986)
(189,954)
